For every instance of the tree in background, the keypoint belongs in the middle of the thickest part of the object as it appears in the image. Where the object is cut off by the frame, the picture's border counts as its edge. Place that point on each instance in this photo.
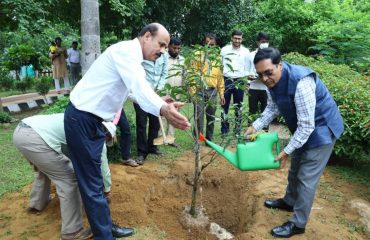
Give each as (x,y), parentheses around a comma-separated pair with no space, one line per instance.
(90,33)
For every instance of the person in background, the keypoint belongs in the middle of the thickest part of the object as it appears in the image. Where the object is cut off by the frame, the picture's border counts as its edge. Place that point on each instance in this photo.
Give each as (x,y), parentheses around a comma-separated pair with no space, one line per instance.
(156,75)
(97,97)
(235,64)
(257,94)
(297,93)
(214,83)
(59,67)
(73,61)
(176,77)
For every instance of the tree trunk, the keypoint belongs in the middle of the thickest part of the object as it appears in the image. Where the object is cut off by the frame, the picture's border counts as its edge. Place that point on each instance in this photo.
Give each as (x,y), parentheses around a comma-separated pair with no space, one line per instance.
(90,33)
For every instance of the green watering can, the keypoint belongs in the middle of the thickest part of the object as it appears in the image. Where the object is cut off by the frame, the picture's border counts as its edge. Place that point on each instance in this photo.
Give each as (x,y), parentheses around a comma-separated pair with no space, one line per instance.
(250,156)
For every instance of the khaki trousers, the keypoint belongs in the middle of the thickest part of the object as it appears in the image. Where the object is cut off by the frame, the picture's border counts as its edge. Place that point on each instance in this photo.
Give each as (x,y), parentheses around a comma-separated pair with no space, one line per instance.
(54,167)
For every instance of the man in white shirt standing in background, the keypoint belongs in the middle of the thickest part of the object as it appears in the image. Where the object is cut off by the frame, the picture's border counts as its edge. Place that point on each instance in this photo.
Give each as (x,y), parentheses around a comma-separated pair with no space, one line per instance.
(101,92)
(257,90)
(236,56)
(73,61)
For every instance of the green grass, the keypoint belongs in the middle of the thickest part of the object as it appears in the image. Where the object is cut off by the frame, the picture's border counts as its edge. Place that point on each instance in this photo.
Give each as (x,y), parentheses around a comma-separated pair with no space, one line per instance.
(10,93)
(358,175)
(16,171)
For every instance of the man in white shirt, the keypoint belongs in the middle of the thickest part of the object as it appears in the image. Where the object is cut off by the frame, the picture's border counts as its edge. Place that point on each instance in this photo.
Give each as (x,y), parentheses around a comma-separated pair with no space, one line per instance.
(73,62)
(257,90)
(101,92)
(236,56)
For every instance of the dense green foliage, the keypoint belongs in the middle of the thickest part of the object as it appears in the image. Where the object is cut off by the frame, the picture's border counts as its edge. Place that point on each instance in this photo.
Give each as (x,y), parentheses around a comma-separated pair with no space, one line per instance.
(42,86)
(351,92)
(338,29)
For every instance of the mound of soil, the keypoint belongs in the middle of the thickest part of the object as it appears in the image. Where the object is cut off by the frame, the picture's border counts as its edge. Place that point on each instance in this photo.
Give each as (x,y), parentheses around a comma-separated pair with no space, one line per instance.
(152,198)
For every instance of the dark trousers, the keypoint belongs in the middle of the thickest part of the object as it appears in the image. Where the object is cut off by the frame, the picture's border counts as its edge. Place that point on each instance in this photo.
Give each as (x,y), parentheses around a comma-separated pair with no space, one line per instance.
(237,93)
(144,143)
(125,138)
(207,103)
(85,139)
(257,97)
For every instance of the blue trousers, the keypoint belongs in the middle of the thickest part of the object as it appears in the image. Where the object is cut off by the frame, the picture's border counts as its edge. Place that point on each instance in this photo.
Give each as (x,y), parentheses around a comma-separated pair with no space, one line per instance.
(125,138)
(85,139)
(238,94)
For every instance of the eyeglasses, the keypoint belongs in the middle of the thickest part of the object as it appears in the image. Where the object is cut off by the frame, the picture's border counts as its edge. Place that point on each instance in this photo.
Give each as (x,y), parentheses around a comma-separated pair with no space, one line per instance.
(267,73)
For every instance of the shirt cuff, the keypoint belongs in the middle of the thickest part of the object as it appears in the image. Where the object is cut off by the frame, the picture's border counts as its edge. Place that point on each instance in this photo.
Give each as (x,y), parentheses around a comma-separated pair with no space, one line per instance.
(289,149)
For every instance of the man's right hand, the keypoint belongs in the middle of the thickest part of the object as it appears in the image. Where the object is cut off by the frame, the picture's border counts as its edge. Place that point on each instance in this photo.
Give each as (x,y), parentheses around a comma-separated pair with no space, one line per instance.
(250,130)
(170,112)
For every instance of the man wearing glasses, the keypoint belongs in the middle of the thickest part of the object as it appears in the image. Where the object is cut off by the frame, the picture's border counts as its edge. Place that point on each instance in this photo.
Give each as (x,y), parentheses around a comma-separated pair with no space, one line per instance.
(312,116)
(235,71)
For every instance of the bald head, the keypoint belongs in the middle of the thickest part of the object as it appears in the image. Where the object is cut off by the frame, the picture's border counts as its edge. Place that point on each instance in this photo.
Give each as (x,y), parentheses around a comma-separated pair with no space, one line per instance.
(154,39)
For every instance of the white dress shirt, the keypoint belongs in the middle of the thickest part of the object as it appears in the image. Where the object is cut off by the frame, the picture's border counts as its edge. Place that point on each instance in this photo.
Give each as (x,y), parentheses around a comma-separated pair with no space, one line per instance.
(305,103)
(237,58)
(114,74)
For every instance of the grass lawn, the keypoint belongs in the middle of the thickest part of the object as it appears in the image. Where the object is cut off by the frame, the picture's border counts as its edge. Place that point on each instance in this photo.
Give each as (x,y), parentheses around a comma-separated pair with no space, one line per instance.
(16,172)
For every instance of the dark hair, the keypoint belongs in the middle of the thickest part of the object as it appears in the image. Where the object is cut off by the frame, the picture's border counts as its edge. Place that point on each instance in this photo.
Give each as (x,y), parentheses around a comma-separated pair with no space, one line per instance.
(237,33)
(262,35)
(175,41)
(210,36)
(152,28)
(268,53)
(57,38)
(74,42)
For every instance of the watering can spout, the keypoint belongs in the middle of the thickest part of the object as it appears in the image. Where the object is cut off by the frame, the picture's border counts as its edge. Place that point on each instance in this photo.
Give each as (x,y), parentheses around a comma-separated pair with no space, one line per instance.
(227,154)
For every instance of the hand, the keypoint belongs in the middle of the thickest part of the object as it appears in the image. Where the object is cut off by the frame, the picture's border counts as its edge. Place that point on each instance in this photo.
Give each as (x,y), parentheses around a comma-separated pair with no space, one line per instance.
(167,99)
(251,77)
(222,100)
(249,131)
(282,157)
(170,112)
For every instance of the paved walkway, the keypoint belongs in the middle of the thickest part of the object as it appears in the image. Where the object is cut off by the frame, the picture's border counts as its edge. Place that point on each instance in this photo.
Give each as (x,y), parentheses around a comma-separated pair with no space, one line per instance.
(18,103)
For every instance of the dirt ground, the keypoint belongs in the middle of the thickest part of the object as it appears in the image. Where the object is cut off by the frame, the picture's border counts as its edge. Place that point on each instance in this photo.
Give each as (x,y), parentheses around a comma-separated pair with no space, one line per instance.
(152,199)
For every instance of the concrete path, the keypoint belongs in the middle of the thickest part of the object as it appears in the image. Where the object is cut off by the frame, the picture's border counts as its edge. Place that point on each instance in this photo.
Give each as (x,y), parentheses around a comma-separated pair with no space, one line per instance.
(26,101)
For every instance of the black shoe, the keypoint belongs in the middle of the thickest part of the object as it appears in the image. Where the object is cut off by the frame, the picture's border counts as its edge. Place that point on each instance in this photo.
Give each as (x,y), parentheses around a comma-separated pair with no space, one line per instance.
(140,160)
(156,152)
(279,204)
(119,232)
(286,230)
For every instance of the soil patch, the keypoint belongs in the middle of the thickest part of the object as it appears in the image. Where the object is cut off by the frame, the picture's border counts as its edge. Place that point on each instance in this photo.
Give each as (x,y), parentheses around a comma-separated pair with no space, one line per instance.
(152,199)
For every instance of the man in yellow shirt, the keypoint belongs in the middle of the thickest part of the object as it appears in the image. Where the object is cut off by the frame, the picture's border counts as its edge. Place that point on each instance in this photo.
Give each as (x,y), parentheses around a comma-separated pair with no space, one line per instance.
(213,83)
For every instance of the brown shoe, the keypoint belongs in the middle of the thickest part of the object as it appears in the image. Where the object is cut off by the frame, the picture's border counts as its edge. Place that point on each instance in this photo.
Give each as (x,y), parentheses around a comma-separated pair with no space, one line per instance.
(83,233)
(129,162)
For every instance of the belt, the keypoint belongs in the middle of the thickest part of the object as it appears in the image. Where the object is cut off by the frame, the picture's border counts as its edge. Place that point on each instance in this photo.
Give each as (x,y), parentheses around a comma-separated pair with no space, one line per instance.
(22,124)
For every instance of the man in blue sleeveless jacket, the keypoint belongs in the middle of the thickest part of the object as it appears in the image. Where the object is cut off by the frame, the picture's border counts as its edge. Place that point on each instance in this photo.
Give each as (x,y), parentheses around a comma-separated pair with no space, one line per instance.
(312,116)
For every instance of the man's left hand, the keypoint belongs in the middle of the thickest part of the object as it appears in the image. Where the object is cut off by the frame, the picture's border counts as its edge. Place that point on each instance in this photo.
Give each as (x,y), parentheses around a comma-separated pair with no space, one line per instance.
(170,112)
(282,157)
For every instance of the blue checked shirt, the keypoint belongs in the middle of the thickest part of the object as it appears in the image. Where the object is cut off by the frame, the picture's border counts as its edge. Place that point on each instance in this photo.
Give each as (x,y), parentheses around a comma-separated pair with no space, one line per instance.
(305,103)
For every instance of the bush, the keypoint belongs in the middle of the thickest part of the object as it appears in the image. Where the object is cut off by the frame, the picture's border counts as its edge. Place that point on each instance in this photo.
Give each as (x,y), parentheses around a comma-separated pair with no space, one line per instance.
(43,85)
(5,117)
(351,93)
(57,107)
(24,84)
(6,81)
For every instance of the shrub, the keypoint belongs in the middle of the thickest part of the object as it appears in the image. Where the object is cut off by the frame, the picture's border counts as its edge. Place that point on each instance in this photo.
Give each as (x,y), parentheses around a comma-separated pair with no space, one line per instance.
(5,117)
(351,93)
(6,81)
(57,107)
(24,84)
(43,86)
